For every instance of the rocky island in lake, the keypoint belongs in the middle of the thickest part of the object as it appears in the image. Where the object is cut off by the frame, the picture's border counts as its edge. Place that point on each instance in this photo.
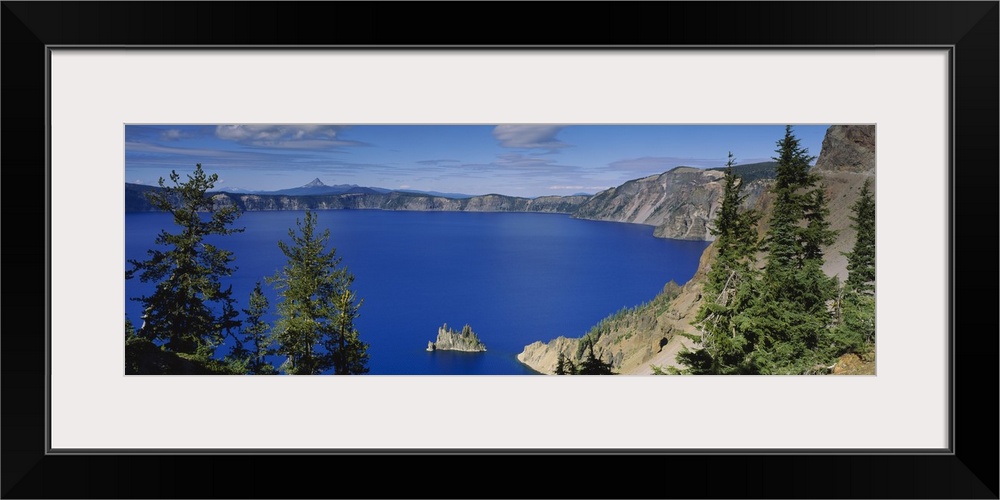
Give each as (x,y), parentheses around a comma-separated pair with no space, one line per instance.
(450,340)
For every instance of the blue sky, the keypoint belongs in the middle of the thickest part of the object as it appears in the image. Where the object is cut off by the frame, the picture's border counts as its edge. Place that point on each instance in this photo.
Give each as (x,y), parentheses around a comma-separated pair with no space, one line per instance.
(517,160)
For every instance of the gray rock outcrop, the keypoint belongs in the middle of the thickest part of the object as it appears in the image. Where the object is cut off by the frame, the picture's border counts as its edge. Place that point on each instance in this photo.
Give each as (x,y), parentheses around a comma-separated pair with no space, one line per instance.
(848,148)
(450,340)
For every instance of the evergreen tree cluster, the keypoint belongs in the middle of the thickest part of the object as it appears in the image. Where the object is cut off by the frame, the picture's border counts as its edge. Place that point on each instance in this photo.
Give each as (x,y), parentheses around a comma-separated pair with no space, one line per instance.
(786,317)
(589,364)
(190,314)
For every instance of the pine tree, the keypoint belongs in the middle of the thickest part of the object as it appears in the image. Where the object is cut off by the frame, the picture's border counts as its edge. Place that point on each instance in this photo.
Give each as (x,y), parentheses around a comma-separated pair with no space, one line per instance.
(349,355)
(315,328)
(592,365)
(790,314)
(570,368)
(237,362)
(256,334)
(856,328)
(184,311)
(733,226)
(861,259)
(731,286)
(561,364)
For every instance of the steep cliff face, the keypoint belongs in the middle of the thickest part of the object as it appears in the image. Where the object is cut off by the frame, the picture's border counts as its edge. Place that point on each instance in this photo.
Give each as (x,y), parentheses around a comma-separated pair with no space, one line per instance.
(680,203)
(654,333)
(848,148)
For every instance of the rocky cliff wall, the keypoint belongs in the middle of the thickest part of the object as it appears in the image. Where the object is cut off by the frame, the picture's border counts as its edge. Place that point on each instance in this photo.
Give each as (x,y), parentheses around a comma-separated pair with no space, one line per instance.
(848,148)
(135,202)
(681,203)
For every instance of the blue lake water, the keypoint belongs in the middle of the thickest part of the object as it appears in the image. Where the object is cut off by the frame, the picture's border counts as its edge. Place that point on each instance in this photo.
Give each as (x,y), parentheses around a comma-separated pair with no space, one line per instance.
(514,277)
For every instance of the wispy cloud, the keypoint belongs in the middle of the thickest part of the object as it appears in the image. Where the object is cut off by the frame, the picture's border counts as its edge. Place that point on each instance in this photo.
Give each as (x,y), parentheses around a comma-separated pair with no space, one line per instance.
(529,136)
(577,188)
(285,136)
(174,134)
(144,147)
(664,163)
(436,162)
(522,163)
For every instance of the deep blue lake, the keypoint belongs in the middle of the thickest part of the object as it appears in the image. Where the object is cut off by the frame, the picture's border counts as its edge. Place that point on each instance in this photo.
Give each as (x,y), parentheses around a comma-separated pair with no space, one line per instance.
(514,277)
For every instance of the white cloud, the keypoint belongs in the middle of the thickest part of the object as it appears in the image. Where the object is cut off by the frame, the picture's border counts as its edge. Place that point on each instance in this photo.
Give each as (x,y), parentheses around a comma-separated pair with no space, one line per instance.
(142,147)
(173,135)
(529,136)
(284,136)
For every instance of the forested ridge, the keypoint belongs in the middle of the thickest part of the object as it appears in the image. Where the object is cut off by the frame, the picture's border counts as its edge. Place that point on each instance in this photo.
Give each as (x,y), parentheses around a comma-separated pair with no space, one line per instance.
(786,287)
(787,316)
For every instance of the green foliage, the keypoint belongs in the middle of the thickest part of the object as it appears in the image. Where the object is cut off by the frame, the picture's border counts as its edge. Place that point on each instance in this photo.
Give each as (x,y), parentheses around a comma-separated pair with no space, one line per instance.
(129,329)
(697,362)
(861,259)
(855,331)
(592,365)
(255,336)
(733,227)
(238,356)
(628,318)
(570,367)
(561,365)
(143,357)
(779,319)
(732,285)
(314,330)
(791,315)
(348,353)
(752,171)
(669,370)
(183,311)
(589,364)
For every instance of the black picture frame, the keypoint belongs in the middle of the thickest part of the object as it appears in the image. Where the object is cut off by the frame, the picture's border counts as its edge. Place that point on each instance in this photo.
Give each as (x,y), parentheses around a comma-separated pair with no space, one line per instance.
(970,28)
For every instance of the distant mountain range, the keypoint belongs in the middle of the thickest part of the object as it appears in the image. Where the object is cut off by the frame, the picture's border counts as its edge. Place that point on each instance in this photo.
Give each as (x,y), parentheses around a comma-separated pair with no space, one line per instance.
(679,203)
(316,187)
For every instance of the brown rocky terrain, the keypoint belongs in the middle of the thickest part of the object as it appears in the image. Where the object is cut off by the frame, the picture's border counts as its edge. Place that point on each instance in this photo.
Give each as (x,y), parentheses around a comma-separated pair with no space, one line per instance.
(653,333)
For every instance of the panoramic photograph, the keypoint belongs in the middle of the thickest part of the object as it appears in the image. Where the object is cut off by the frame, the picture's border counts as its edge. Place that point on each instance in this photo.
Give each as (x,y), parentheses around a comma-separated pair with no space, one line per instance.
(501,249)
